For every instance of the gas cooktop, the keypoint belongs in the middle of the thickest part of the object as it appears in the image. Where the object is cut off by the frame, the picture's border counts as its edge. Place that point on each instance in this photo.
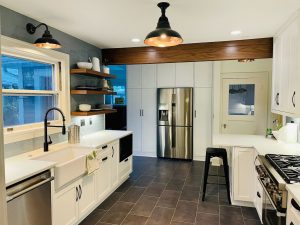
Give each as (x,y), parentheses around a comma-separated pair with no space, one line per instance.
(288,166)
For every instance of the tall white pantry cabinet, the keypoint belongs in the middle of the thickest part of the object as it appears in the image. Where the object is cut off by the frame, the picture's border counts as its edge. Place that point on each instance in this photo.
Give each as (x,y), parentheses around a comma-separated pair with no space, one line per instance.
(142,83)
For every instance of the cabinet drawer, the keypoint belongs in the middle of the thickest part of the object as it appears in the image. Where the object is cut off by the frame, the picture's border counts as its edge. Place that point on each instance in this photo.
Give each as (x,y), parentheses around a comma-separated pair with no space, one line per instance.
(293,217)
(125,168)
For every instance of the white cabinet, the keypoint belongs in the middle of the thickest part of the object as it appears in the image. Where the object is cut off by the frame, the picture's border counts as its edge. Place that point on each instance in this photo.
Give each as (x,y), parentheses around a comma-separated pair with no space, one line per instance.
(149,76)
(286,71)
(66,199)
(258,196)
(133,75)
(134,117)
(86,192)
(202,121)
(125,168)
(141,119)
(184,74)
(103,176)
(242,169)
(115,163)
(166,75)
(293,214)
(74,201)
(203,73)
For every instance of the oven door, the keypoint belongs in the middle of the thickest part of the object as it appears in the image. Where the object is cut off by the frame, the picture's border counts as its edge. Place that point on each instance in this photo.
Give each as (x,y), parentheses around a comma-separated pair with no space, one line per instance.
(270,215)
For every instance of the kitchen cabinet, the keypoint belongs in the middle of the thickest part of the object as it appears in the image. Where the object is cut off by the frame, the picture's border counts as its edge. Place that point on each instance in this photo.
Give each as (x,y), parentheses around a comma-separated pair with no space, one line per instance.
(133,75)
(125,168)
(203,73)
(242,170)
(114,164)
(166,75)
(202,122)
(141,76)
(286,72)
(258,196)
(141,119)
(148,76)
(293,214)
(184,74)
(103,176)
(74,201)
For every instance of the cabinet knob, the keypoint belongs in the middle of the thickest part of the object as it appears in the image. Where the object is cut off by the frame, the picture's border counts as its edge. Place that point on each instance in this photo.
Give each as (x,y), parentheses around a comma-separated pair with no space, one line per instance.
(277,99)
(258,194)
(224,125)
(293,99)
(295,204)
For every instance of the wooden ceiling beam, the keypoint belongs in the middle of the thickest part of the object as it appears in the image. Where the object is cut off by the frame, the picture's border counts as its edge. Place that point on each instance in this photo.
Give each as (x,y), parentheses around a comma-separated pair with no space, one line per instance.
(209,51)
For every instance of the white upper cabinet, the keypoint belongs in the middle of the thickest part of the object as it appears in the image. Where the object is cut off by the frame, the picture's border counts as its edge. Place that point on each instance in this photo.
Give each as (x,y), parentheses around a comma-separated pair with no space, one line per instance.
(203,74)
(149,76)
(133,74)
(286,71)
(185,74)
(166,75)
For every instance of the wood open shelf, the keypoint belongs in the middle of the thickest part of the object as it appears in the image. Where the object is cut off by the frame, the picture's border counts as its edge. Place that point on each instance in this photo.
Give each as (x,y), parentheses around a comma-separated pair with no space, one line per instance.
(90,92)
(92,113)
(92,73)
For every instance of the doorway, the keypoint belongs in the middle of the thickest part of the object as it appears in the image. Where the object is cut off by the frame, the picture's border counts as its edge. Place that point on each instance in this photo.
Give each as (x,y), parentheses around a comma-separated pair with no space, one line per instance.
(244,99)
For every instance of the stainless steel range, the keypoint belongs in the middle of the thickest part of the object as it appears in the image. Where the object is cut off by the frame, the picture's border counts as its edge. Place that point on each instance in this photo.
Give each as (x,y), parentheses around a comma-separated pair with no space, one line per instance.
(274,172)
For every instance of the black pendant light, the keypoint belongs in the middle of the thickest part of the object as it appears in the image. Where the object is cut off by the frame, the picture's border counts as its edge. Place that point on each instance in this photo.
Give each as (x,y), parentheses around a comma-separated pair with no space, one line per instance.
(46,41)
(163,35)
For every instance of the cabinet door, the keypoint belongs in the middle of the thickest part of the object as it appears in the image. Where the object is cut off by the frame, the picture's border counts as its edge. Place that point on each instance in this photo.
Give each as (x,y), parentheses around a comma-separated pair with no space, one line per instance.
(258,196)
(125,169)
(149,76)
(149,121)
(185,74)
(86,194)
(243,169)
(65,209)
(166,75)
(202,121)
(134,117)
(134,76)
(103,175)
(114,164)
(203,74)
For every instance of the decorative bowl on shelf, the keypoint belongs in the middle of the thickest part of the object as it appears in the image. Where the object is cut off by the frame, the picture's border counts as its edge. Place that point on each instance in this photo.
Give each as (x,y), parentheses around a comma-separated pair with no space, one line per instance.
(85,107)
(84,65)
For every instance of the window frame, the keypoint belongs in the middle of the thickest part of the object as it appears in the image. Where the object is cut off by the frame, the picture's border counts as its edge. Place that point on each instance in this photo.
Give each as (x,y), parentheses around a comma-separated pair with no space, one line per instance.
(61,82)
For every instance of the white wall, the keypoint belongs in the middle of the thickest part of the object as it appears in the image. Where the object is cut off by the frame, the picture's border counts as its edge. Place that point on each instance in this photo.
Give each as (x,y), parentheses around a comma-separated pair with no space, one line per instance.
(233,66)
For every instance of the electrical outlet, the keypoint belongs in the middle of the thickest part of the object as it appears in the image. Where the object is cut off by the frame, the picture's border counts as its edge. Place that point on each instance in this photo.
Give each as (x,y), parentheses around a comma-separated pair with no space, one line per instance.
(82,122)
(91,121)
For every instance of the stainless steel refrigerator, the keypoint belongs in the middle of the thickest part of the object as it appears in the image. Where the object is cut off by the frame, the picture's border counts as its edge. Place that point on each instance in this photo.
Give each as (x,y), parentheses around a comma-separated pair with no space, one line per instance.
(175,123)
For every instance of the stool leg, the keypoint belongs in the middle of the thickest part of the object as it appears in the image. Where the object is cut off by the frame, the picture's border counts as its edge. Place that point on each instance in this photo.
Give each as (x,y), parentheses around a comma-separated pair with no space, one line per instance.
(226,171)
(206,170)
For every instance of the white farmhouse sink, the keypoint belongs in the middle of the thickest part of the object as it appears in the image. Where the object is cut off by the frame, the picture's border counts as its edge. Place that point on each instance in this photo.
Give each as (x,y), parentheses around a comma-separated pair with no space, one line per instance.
(71,163)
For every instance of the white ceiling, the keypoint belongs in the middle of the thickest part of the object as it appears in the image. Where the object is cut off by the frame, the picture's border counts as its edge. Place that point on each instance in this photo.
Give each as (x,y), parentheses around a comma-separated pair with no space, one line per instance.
(113,23)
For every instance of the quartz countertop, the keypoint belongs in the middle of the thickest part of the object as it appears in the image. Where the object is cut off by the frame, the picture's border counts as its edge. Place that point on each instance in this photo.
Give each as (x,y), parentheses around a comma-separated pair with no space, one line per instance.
(262,144)
(20,167)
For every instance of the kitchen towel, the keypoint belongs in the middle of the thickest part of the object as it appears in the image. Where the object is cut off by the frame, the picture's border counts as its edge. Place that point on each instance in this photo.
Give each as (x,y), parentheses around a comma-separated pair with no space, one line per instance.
(92,162)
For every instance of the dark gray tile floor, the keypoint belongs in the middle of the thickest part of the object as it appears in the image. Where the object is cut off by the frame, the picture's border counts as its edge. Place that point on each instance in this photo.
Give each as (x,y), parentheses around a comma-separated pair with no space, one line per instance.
(168,192)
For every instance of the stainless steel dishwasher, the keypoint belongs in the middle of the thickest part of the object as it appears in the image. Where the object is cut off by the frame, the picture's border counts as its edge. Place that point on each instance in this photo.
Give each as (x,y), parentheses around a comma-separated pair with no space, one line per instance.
(29,201)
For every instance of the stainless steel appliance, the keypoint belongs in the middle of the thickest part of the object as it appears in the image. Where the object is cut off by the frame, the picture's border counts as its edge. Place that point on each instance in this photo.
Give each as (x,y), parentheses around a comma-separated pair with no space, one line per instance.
(175,123)
(29,202)
(275,171)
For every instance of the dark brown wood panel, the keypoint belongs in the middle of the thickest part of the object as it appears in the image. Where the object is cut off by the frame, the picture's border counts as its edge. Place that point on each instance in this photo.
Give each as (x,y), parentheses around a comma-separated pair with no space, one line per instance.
(210,51)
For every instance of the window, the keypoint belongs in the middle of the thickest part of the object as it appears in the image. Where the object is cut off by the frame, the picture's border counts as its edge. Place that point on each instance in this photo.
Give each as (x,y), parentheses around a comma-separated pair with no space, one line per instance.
(28,90)
(241,99)
(33,80)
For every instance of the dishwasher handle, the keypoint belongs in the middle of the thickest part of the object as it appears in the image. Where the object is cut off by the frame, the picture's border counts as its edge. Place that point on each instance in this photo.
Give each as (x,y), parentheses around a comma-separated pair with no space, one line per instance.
(25,190)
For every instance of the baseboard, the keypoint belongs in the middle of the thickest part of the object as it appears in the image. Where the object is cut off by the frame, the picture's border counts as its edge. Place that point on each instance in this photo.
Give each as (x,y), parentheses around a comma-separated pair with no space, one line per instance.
(198,158)
(146,154)
(243,203)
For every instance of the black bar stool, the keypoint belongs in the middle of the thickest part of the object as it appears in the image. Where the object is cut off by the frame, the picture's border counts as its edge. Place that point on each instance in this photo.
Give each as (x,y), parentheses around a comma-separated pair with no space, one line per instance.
(221,153)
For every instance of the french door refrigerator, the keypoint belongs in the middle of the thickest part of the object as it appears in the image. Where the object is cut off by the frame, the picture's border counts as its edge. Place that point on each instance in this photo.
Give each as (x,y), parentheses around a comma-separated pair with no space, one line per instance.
(175,123)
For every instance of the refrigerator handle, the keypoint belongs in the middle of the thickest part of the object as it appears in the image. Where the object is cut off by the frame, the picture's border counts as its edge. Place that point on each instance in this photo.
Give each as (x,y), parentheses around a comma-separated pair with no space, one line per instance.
(140,112)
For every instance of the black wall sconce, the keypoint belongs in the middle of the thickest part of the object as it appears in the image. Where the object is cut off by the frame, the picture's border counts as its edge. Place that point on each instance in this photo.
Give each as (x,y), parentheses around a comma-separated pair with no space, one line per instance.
(46,41)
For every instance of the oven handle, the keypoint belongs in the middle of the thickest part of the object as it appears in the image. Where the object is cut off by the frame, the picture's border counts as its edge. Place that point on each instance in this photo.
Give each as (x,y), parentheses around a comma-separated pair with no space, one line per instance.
(295,204)
(12,197)
(267,194)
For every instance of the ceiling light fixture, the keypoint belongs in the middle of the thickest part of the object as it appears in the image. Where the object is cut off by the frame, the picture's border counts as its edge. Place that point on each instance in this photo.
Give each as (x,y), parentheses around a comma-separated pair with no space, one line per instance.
(163,35)
(135,40)
(46,41)
(235,32)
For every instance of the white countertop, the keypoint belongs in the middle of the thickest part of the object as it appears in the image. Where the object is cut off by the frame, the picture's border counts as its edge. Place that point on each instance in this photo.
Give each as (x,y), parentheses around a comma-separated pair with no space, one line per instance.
(262,144)
(295,190)
(23,166)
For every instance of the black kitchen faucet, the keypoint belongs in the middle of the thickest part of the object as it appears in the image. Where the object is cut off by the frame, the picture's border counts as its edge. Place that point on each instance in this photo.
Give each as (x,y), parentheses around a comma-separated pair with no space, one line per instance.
(46,125)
